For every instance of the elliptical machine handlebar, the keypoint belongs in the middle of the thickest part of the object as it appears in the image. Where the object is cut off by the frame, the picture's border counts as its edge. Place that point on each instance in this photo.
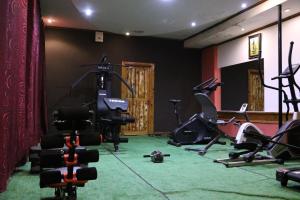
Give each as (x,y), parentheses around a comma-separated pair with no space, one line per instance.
(286,73)
(271,87)
(289,74)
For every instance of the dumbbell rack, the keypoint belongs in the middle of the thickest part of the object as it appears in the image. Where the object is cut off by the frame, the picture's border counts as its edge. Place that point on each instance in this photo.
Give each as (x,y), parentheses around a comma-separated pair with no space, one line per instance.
(73,174)
(71,161)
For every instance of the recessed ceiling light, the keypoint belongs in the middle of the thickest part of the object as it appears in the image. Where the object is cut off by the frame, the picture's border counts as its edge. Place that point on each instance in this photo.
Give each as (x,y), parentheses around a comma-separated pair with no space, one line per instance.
(242,29)
(193,24)
(287,10)
(88,12)
(49,20)
(127,33)
(244,5)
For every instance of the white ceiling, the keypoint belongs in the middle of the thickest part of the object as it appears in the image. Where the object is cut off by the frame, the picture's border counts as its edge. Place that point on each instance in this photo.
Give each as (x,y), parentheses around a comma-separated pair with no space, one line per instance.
(165,18)
(157,18)
(256,18)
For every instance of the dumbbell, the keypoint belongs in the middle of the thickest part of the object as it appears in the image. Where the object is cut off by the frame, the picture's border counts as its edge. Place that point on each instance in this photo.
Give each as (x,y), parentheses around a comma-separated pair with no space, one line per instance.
(58,177)
(157,156)
(58,140)
(57,157)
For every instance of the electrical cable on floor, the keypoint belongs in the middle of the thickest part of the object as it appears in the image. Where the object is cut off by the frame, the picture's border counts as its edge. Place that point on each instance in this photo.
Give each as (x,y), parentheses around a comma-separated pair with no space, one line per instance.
(137,174)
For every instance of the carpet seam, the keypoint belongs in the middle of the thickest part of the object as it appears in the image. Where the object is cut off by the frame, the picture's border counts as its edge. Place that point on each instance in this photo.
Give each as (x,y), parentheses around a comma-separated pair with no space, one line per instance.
(138,175)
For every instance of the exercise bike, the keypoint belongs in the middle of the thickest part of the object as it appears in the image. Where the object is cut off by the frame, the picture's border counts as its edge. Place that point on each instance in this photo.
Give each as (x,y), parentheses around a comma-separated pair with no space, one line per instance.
(111,113)
(201,127)
(193,131)
(284,144)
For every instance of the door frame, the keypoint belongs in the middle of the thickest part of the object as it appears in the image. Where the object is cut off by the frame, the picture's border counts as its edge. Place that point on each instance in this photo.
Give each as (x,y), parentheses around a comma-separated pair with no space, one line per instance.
(150,123)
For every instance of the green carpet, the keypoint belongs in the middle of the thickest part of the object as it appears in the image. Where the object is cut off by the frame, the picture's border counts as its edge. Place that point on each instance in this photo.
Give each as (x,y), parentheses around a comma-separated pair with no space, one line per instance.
(184,175)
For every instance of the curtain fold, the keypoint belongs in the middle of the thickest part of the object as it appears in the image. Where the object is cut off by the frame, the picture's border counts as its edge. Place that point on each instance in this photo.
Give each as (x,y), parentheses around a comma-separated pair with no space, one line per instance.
(22,100)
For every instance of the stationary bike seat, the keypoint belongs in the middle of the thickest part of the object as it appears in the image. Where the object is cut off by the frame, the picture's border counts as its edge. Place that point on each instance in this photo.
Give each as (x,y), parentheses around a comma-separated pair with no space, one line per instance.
(174,101)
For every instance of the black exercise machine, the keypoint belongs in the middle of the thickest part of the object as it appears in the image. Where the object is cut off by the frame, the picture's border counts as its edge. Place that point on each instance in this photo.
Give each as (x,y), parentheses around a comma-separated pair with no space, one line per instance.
(65,169)
(283,175)
(193,131)
(201,127)
(284,144)
(111,113)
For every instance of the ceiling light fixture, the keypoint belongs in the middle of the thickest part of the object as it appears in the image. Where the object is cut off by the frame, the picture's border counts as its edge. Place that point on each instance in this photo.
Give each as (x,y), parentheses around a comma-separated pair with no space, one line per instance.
(127,33)
(242,29)
(244,5)
(49,20)
(193,24)
(287,10)
(88,12)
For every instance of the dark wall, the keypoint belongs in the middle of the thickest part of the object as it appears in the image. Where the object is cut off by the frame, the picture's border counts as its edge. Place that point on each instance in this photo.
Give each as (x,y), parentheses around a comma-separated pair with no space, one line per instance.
(235,87)
(177,69)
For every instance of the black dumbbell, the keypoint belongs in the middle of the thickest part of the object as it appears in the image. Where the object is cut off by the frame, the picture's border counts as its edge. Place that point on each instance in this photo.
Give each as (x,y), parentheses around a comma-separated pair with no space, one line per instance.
(157,156)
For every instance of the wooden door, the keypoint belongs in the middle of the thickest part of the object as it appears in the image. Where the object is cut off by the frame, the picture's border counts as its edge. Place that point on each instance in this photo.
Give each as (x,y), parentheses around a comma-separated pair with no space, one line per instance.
(255,91)
(141,77)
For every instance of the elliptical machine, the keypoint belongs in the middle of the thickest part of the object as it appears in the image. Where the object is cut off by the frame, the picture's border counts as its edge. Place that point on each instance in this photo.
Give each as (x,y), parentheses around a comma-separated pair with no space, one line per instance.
(111,113)
(285,143)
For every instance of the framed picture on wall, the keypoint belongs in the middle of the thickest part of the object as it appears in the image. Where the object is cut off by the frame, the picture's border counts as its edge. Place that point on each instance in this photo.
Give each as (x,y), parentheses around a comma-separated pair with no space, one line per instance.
(254,45)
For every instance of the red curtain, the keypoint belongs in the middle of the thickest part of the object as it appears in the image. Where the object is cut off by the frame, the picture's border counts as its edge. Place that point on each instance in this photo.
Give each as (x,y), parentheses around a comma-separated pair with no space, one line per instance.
(22,69)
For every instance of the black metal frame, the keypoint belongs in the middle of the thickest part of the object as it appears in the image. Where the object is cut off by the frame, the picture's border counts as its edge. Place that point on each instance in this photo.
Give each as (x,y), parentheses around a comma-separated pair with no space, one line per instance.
(104,72)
